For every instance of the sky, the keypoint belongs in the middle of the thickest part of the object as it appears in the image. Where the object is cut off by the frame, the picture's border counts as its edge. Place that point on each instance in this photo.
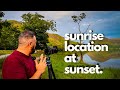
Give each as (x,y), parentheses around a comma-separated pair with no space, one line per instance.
(105,22)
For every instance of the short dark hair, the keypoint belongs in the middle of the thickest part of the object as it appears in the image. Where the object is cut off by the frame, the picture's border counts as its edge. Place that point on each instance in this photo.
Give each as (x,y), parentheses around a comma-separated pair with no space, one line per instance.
(27,34)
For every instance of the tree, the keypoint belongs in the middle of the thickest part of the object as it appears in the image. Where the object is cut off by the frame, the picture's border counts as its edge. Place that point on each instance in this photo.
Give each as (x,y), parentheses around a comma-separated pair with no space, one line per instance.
(1,15)
(9,37)
(37,23)
(16,24)
(78,19)
(8,34)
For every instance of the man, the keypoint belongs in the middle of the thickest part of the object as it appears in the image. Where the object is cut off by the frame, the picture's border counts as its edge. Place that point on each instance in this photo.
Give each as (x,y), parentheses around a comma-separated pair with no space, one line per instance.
(19,65)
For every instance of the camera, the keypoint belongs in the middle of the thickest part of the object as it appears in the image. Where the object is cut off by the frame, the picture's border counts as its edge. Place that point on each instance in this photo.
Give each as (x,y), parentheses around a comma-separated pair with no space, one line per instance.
(50,50)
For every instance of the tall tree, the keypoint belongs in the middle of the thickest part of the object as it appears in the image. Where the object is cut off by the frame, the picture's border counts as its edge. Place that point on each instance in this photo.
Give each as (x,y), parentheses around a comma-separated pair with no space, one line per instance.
(1,15)
(8,34)
(9,37)
(78,19)
(37,23)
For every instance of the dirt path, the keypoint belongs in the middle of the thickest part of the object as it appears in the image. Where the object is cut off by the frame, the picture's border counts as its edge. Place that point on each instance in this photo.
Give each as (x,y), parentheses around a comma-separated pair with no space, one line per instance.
(4,56)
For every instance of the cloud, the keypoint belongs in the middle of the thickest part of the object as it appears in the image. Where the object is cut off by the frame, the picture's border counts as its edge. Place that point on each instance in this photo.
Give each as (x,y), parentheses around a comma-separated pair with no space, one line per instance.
(55,15)
(85,24)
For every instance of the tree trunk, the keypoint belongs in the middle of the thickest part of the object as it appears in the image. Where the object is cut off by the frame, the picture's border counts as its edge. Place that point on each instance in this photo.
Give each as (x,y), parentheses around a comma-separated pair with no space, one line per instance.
(81,54)
(81,57)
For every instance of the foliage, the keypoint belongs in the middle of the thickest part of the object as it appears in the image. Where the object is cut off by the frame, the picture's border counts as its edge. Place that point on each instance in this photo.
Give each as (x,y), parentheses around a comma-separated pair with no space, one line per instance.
(3,52)
(8,38)
(37,23)
(16,24)
(1,15)
(8,35)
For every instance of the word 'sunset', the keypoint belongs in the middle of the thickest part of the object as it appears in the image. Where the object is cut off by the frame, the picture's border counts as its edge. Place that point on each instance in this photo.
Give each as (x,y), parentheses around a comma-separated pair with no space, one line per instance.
(83,70)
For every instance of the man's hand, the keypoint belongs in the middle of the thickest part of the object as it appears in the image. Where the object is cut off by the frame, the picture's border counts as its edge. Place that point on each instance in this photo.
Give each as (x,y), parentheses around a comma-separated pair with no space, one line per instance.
(41,66)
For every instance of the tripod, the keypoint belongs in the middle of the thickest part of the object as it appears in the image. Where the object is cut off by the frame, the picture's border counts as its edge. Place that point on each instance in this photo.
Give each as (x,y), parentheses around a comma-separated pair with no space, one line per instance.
(50,69)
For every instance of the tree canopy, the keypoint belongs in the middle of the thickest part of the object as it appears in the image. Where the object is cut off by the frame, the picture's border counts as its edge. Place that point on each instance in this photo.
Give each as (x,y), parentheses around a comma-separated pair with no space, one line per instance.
(8,34)
(38,24)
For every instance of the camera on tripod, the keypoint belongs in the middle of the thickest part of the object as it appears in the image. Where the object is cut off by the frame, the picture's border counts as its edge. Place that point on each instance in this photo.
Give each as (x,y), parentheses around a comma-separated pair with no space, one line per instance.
(47,52)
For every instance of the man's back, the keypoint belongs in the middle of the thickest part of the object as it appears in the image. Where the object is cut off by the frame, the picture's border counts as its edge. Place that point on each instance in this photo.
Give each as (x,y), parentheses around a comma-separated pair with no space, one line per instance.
(18,66)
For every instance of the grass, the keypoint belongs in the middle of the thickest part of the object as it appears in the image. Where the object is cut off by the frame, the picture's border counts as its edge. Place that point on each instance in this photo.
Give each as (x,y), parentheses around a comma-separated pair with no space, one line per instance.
(1,62)
(59,65)
(2,52)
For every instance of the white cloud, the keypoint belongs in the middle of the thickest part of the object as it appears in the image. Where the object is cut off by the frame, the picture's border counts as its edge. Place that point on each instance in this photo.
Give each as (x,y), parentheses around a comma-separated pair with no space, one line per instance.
(85,24)
(99,20)
(55,15)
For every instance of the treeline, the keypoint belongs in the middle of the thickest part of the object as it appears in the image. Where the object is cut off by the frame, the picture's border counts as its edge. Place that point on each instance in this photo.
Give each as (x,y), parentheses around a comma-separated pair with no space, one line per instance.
(10,30)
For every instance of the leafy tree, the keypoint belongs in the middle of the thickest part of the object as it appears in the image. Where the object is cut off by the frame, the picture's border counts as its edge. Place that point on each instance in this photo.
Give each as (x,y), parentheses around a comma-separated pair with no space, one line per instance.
(8,34)
(1,15)
(37,23)
(16,24)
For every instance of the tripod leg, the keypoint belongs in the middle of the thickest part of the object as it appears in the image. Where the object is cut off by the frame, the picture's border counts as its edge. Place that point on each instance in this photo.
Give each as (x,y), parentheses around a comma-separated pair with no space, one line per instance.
(49,72)
(52,72)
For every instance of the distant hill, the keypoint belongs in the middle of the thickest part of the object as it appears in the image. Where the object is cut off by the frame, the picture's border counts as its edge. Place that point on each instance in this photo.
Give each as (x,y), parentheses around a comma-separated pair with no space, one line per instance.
(57,40)
(113,52)
(16,24)
(115,41)
(111,42)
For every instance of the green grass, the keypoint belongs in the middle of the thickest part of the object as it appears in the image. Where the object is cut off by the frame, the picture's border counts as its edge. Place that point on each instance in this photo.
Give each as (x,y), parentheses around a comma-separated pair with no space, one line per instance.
(2,52)
(59,65)
(1,62)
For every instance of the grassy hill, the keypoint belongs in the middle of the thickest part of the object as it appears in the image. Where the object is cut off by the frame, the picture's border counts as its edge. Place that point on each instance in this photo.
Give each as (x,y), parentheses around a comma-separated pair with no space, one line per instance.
(16,24)
(57,40)
(114,50)
(114,42)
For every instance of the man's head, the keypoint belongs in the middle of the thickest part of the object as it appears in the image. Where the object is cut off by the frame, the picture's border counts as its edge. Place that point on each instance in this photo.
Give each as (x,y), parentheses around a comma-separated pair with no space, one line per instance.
(27,39)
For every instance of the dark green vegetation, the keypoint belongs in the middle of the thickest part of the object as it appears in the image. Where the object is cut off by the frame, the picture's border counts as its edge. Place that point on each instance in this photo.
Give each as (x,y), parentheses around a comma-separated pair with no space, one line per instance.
(10,30)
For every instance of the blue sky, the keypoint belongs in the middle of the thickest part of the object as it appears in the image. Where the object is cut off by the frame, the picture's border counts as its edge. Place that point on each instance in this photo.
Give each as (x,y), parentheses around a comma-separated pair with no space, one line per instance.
(106,22)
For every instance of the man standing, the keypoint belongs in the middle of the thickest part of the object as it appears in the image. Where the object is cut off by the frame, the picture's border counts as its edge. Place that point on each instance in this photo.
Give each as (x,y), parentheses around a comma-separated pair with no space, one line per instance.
(19,65)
